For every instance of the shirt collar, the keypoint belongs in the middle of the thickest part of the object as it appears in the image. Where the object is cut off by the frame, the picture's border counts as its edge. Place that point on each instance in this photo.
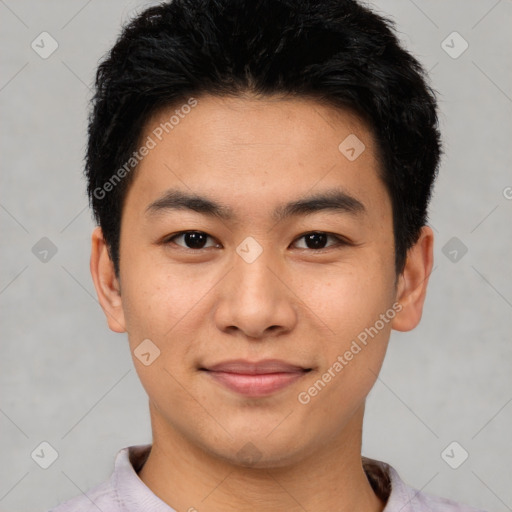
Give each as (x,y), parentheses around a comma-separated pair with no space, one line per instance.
(131,492)
(134,495)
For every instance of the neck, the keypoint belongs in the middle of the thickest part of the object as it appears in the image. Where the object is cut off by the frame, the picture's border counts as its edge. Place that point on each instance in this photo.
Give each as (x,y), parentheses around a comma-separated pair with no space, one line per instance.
(187,478)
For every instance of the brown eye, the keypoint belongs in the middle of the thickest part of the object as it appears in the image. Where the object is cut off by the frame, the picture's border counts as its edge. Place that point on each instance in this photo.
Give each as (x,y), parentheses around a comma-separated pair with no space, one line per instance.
(192,240)
(318,240)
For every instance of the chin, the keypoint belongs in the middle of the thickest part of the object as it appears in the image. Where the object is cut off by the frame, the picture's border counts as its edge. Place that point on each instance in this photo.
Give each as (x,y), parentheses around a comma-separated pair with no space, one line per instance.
(261,451)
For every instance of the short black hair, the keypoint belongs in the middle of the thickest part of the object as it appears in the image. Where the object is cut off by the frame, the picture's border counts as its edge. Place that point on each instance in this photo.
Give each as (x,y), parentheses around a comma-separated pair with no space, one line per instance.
(338,52)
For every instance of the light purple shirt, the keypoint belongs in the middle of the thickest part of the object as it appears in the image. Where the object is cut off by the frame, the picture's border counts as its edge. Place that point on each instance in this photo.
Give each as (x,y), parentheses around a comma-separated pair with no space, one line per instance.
(126,492)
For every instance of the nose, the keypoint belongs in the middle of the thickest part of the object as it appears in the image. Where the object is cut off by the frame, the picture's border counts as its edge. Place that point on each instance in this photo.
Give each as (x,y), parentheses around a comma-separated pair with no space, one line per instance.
(254,299)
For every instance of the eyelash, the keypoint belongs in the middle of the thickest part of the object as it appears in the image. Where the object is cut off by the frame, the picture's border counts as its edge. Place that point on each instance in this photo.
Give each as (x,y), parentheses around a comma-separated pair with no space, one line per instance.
(340,241)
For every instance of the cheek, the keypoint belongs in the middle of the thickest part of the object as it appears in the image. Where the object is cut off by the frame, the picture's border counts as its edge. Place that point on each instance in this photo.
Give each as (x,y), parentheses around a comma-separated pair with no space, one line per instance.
(171,309)
(356,303)
(155,298)
(349,297)
(351,361)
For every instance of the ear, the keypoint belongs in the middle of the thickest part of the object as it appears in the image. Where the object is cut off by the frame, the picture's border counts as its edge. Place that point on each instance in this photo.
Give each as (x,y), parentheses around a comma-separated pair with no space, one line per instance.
(106,283)
(413,281)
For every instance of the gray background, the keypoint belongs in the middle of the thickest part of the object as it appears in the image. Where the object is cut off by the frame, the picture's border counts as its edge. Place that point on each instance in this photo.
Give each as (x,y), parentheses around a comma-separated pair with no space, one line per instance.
(67,380)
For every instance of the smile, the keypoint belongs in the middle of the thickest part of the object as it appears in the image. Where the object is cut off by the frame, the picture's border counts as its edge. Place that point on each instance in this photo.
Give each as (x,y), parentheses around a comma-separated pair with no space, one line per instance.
(255,379)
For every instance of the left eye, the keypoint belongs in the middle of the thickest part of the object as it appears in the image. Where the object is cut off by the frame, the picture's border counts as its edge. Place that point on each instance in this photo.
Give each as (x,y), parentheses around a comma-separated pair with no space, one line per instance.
(318,240)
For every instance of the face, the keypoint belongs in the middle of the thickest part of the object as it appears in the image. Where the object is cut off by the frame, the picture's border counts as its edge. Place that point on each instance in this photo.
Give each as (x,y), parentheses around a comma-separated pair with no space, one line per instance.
(257,256)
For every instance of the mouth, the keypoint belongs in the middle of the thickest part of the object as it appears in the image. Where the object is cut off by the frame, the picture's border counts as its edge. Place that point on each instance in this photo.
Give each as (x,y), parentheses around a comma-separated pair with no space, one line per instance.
(255,378)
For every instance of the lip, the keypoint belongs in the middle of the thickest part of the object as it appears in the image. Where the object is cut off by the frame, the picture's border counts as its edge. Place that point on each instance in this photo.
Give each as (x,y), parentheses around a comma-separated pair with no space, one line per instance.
(255,378)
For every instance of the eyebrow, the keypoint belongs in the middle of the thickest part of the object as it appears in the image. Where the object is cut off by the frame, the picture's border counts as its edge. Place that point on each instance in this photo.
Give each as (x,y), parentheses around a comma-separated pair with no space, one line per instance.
(334,200)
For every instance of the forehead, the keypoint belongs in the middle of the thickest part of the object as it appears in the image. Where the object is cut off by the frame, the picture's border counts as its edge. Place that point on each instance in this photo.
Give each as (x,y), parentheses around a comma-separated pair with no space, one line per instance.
(271,121)
(264,149)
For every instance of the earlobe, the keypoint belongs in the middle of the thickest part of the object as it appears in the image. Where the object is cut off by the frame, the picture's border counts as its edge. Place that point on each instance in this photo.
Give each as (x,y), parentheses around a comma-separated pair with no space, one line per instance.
(412,283)
(106,282)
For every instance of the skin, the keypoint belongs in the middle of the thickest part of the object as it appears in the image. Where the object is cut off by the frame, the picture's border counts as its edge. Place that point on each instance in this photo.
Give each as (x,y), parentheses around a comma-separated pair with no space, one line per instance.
(299,304)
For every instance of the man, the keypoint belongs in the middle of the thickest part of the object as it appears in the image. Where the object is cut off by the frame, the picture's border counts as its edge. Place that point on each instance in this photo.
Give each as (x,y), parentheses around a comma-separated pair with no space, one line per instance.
(260,172)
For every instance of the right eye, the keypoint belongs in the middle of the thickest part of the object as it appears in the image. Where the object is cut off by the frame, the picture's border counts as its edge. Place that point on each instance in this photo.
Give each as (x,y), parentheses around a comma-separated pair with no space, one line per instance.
(193,240)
